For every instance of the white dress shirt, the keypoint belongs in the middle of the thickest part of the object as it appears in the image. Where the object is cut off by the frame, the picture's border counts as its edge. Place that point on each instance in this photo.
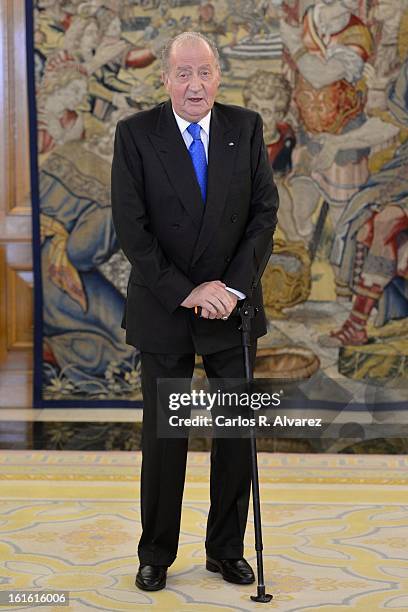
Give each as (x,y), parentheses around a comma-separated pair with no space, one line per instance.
(204,132)
(205,138)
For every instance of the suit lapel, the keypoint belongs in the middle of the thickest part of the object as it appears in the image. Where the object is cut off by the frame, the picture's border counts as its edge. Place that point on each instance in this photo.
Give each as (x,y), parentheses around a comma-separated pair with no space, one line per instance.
(221,157)
(176,160)
(172,151)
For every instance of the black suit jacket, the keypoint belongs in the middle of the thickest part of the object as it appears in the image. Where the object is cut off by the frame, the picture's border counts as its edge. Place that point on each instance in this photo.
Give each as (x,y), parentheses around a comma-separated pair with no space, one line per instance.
(174,241)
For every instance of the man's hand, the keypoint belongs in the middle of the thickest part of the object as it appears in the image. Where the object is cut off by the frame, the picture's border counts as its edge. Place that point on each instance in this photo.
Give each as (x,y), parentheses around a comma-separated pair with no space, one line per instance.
(215,301)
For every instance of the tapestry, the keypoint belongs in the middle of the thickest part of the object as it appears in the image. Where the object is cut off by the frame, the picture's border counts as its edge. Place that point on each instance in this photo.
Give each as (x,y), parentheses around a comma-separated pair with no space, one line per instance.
(330,80)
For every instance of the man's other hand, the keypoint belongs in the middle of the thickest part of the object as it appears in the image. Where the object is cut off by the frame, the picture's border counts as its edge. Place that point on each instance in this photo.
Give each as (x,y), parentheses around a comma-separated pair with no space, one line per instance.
(215,301)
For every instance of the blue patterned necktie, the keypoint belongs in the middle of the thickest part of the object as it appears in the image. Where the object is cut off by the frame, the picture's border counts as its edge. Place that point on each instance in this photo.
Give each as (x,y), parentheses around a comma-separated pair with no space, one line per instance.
(197,152)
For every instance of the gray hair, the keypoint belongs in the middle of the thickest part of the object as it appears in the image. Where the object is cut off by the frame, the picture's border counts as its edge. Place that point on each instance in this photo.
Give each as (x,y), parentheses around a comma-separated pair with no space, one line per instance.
(186,36)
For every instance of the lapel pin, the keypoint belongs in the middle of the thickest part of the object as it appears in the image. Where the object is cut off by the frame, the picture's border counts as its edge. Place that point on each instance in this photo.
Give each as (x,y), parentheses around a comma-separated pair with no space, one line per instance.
(230,144)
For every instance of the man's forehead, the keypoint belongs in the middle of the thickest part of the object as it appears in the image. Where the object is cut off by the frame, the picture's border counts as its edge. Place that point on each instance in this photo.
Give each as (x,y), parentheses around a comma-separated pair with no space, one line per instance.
(186,51)
(186,65)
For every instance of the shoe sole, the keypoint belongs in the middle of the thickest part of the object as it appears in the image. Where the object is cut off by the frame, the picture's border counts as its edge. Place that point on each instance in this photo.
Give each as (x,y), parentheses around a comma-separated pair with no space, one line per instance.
(211,567)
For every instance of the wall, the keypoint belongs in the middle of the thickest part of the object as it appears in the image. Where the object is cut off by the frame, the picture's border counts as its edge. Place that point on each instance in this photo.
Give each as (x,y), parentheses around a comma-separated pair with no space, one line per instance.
(16,280)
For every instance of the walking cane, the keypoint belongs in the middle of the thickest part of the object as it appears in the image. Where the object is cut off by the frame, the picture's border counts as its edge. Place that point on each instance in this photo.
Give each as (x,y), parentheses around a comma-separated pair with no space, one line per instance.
(247,312)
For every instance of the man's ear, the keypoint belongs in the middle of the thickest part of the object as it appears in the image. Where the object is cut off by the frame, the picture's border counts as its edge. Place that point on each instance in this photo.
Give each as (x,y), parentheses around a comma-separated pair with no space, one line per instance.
(164,79)
(219,75)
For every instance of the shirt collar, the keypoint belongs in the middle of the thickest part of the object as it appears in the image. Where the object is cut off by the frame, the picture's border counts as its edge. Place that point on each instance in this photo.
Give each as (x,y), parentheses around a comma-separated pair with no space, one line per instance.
(183,124)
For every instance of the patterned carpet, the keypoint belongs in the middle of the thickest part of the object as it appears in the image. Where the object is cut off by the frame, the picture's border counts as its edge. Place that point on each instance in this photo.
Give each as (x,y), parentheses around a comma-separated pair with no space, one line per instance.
(335,533)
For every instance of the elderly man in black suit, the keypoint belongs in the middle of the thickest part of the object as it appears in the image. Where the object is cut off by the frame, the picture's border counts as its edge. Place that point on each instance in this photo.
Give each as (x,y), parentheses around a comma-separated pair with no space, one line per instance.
(195,208)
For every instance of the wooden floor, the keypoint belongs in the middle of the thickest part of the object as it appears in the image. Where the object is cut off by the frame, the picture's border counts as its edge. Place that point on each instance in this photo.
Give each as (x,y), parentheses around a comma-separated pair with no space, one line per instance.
(16,377)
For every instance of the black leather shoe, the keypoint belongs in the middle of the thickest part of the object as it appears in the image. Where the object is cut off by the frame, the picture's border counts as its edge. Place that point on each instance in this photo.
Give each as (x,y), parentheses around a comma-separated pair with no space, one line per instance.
(151,577)
(237,571)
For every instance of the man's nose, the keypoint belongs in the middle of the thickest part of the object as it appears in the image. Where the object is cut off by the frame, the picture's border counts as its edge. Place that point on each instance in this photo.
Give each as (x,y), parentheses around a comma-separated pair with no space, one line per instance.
(195,82)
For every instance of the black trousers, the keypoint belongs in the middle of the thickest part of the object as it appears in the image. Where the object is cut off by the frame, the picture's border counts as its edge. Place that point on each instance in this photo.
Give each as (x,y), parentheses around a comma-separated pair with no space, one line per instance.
(164,466)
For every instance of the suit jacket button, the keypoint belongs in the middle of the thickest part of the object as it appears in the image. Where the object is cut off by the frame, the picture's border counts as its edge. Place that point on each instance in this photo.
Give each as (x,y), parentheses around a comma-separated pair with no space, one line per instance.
(234,217)
(227,259)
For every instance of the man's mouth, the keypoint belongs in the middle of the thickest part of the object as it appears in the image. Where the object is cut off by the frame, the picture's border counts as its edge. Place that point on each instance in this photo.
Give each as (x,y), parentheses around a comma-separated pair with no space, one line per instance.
(195,100)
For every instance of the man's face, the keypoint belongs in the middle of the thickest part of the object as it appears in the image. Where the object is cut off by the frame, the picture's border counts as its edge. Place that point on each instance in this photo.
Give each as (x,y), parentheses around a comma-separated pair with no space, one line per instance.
(206,12)
(269,111)
(192,80)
